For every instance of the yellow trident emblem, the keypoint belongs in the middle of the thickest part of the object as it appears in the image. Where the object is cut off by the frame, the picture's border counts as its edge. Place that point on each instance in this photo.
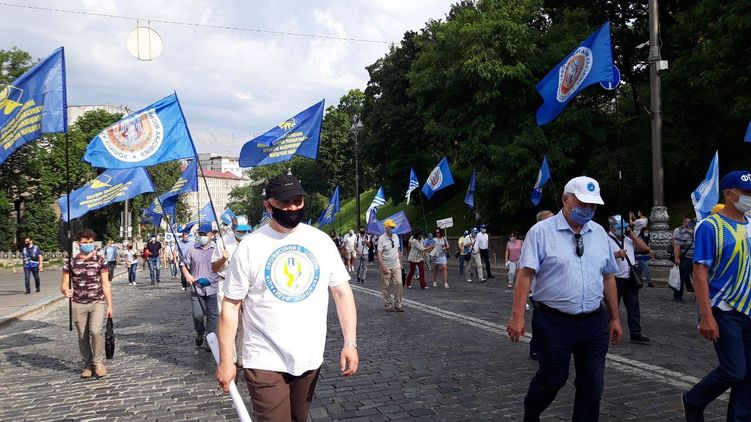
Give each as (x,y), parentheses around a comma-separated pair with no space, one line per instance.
(292,276)
(9,99)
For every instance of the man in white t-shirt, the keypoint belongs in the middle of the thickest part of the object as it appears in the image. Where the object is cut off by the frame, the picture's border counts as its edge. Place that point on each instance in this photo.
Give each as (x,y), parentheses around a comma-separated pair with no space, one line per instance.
(224,250)
(391,266)
(349,249)
(482,243)
(362,246)
(281,274)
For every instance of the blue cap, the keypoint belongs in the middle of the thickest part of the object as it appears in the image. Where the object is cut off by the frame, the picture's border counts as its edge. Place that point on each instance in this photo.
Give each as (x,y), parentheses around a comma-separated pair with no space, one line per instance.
(205,228)
(483,226)
(739,179)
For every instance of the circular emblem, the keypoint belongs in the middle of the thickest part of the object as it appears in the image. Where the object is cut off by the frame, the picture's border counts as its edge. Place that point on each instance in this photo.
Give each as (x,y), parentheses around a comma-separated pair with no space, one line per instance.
(135,138)
(745,178)
(292,273)
(591,187)
(436,178)
(572,73)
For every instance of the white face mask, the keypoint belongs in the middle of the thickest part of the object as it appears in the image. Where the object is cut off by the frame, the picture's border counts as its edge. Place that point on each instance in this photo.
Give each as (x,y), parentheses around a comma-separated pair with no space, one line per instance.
(744,203)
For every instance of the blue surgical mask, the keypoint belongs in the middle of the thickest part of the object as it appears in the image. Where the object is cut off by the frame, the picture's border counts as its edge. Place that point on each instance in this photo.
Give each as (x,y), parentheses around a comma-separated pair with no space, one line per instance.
(582,216)
(87,247)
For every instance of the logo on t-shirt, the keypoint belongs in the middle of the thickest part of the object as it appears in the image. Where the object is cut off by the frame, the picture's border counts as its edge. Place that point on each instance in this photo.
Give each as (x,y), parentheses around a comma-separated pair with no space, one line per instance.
(292,273)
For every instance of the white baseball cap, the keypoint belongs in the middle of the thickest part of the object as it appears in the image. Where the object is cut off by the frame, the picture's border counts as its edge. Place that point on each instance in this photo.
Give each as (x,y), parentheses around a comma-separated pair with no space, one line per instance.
(586,189)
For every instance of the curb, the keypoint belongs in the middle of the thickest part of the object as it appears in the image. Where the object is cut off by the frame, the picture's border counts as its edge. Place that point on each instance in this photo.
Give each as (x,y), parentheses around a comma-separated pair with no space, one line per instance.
(39,306)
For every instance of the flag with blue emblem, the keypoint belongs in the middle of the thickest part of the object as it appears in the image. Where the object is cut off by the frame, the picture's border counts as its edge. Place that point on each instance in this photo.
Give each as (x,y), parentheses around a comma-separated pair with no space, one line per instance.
(543,177)
(438,179)
(206,214)
(747,138)
(153,214)
(187,182)
(298,135)
(327,215)
(378,200)
(590,63)
(413,184)
(153,135)
(469,198)
(227,217)
(107,188)
(707,194)
(33,104)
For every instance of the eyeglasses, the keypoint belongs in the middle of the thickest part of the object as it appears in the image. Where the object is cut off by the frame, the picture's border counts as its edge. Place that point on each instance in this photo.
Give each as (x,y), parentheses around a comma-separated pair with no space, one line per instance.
(579,244)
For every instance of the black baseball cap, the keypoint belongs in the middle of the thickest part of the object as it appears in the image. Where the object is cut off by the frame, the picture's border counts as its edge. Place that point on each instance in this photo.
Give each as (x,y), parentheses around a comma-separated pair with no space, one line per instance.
(284,187)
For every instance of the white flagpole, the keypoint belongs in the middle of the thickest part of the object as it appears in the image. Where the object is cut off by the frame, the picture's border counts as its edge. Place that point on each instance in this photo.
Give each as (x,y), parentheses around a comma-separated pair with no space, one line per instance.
(237,401)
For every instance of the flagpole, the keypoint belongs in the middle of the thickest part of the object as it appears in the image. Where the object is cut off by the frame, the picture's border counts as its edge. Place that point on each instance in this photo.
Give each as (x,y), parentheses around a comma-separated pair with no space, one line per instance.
(68,240)
(424,218)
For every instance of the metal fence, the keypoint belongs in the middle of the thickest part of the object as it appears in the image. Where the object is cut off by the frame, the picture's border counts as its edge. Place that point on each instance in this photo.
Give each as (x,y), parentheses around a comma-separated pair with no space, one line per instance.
(47,255)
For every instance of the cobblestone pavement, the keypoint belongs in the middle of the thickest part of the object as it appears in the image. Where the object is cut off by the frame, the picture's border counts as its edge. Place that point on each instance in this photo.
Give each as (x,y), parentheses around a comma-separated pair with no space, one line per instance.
(446,358)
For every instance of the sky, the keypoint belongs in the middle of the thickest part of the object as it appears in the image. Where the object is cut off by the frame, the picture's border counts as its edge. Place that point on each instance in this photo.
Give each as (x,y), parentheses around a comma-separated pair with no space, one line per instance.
(232,85)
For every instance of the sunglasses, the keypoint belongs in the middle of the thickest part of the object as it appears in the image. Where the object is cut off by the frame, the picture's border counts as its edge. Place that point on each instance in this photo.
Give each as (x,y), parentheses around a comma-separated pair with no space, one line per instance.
(579,244)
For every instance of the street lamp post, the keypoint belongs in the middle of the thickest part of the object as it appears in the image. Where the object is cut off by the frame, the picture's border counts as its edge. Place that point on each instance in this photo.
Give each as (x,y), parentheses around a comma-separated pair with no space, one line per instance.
(355,129)
(660,236)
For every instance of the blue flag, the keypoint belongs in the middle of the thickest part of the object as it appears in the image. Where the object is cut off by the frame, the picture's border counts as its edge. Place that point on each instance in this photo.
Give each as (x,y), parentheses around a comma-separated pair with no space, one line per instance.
(439,178)
(150,216)
(265,218)
(153,135)
(188,182)
(297,136)
(327,215)
(590,63)
(707,194)
(187,227)
(375,226)
(747,138)
(413,184)
(378,200)
(33,104)
(543,177)
(469,198)
(107,188)
(206,214)
(227,217)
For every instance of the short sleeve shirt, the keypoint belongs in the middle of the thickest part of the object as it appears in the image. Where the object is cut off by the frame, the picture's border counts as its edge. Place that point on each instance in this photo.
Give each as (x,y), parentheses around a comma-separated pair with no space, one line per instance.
(87,277)
(283,280)
(628,246)
(684,238)
(230,243)
(389,249)
(154,248)
(198,262)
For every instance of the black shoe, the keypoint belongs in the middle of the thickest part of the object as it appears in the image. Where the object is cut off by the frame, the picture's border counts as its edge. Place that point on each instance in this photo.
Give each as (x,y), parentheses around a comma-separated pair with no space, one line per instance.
(533,356)
(37,290)
(692,413)
(650,284)
(28,292)
(491,276)
(678,299)
(640,340)
(199,340)
(690,290)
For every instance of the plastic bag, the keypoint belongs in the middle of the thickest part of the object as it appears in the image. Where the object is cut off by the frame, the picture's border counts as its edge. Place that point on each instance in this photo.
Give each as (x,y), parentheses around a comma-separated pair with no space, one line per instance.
(674,278)
(109,339)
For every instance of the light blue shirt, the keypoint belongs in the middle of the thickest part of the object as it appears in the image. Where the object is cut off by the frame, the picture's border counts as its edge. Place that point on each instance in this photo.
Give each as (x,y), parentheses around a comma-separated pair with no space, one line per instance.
(110,253)
(565,281)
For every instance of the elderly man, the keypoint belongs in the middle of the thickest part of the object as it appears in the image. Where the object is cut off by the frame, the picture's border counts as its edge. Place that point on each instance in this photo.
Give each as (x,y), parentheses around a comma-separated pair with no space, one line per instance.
(722,263)
(573,265)
(283,273)
(196,267)
(391,266)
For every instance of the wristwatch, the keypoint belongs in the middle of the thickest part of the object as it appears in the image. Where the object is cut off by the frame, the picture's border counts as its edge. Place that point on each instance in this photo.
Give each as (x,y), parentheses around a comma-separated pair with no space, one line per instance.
(350,343)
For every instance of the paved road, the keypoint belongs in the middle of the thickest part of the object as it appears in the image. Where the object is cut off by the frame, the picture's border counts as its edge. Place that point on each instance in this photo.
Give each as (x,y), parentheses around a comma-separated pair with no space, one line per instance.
(446,358)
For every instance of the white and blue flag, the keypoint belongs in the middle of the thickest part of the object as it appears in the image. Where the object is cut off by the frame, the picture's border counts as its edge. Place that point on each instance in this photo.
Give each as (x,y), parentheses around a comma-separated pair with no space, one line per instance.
(438,179)
(207,214)
(543,177)
(378,200)
(707,194)
(413,184)
(327,215)
(469,198)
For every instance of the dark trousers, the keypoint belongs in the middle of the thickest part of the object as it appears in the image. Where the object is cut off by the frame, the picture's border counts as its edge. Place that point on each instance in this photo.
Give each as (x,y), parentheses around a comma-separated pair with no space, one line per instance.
(733,350)
(557,338)
(686,267)
(27,273)
(412,266)
(485,256)
(111,269)
(532,342)
(278,396)
(461,264)
(204,306)
(630,295)
(183,281)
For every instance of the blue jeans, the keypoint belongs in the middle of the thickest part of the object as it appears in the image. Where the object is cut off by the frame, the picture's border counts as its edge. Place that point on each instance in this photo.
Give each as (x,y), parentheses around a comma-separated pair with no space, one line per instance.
(646,275)
(27,273)
(733,350)
(209,304)
(154,269)
(557,338)
(132,272)
(461,264)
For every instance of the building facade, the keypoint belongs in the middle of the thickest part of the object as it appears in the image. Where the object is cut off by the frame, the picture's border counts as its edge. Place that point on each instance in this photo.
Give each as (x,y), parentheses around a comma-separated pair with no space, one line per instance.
(220,163)
(220,184)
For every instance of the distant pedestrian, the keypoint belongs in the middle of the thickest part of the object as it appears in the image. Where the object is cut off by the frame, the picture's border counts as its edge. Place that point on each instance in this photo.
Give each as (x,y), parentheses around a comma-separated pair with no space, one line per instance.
(513,254)
(196,267)
(415,259)
(683,253)
(476,261)
(638,221)
(465,252)
(110,257)
(722,264)
(33,264)
(131,263)
(154,257)
(483,244)
(85,281)
(429,243)
(440,256)
(349,250)
(573,264)
(643,257)
(391,267)
(285,308)
(363,244)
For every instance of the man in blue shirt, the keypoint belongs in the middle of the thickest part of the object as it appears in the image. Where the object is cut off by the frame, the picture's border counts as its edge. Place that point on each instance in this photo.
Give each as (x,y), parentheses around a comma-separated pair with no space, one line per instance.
(722,280)
(184,245)
(32,264)
(110,256)
(572,262)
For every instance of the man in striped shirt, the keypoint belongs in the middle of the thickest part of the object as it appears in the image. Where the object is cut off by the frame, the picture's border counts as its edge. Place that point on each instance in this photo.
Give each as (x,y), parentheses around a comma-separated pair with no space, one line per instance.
(722,279)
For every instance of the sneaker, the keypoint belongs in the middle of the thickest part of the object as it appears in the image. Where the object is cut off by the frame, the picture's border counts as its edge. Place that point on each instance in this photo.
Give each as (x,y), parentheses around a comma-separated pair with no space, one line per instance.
(389,309)
(526,306)
(399,309)
(640,339)
(692,413)
(469,280)
(435,284)
(650,284)
(409,286)
(199,340)
(510,286)
(37,290)
(135,284)
(445,285)
(87,372)
(28,292)
(183,288)
(483,280)
(100,370)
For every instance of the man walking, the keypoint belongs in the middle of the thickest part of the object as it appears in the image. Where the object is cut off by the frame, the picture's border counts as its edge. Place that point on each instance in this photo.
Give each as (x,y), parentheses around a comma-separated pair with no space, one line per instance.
(110,257)
(626,243)
(683,250)
(196,267)
(476,260)
(184,245)
(349,249)
(482,241)
(391,266)
(33,264)
(91,301)
(722,264)
(460,245)
(363,245)
(282,273)
(573,265)
(154,248)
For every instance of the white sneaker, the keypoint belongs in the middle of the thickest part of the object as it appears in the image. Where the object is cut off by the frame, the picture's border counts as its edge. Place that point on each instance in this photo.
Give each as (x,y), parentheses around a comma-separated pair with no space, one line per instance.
(526,305)
(135,284)
(182,288)
(445,285)
(435,284)
(469,280)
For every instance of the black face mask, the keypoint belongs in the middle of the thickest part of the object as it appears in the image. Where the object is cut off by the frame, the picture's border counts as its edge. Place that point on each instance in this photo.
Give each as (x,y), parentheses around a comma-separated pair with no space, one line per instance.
(362,231)
(288,219)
